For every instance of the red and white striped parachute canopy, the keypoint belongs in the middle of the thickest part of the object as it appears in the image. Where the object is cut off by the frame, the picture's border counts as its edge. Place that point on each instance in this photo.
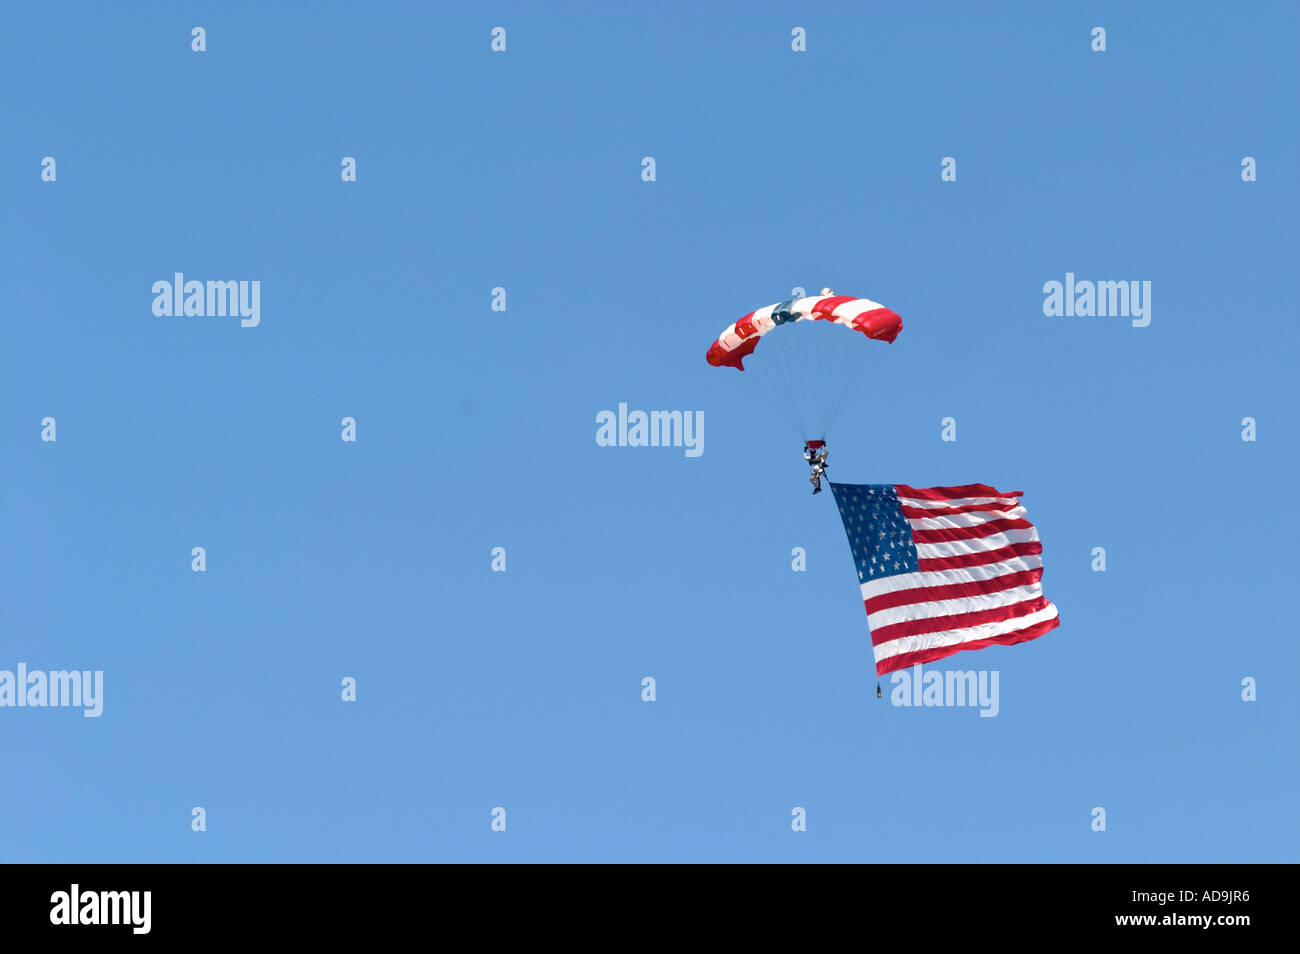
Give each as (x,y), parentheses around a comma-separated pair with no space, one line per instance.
(738,341)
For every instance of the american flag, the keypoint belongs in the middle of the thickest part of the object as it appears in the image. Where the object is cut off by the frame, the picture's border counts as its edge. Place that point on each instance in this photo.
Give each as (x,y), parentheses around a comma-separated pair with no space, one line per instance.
(944,569)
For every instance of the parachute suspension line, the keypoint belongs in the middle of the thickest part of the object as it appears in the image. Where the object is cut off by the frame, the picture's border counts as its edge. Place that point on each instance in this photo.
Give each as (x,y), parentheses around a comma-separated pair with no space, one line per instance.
(817,360)
(827,350)
(755,386)
(842,372)
(805,375)
(840,351)
(762,377)
(817,367)
(768,378)
(788,378)
(842,389)
(799,365)
(840,357)
(855,372)
(827,359)
(811,341)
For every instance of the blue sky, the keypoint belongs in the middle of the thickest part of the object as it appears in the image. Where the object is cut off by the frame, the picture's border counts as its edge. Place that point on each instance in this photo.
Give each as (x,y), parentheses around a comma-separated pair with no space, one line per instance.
(476,429)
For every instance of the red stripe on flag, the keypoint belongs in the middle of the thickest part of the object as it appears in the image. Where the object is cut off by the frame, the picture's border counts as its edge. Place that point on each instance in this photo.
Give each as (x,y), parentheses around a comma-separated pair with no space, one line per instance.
(904,660)
(980,558)
(952,591)
(986,529)
(952,493)
(942,624)
(949,511)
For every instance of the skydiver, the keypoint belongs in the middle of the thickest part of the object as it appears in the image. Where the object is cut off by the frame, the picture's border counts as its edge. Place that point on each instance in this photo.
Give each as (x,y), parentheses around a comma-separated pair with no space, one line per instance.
(816,459)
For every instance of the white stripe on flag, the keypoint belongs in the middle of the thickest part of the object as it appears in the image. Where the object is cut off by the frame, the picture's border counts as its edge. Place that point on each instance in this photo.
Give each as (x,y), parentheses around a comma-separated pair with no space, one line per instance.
(954,637)
(929,504)
(970,574)
(971,519)
(954,607)
(953,548)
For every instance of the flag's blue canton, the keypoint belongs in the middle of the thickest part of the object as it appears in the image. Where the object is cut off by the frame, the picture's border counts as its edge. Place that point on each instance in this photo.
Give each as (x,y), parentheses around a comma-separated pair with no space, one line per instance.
(879,534)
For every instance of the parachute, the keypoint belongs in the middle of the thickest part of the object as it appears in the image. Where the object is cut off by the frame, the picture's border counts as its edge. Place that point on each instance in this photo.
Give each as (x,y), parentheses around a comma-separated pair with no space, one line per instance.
(805,373)
(738,341)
